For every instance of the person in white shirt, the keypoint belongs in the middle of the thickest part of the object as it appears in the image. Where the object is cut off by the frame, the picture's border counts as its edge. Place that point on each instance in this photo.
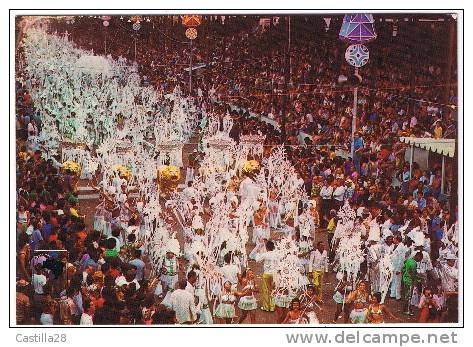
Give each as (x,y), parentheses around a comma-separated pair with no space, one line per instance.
(449,274)
(116,234)
(339,193)
(373,258)
(230,271)
(399,255)
(89,309)
(191,280)
(326,194)
(318,265)
(128,278)
(270,260)
(182,302)
(47,316)
(39,280)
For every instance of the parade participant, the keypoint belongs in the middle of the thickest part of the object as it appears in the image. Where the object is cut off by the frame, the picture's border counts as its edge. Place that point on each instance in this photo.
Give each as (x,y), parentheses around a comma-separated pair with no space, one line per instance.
(202,295)
(182,302)
(359,298)
(270,259)
(191,281)
(260,228)
(310,304)
(342,291)
(318,265)
(230,271)
(331,225)
(449,274)
(410,279)
(314,214)
(374,255)
(247,303)
(282,303)
(377,311)
(225,311)
(273,207)
(290,218)
(326,193)
(399,254)
(169,272)
(295,314)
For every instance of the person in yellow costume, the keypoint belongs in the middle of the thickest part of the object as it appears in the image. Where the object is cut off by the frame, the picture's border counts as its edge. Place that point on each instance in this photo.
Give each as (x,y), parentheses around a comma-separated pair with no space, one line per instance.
(270,259)
(318,265)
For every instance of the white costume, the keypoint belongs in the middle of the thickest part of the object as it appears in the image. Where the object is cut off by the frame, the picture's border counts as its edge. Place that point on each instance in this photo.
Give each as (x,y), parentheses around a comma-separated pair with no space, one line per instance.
(399,255)
(182,302)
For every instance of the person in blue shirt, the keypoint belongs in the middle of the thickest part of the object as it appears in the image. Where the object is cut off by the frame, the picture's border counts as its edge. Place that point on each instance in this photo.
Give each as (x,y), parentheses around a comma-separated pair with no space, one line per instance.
(421,202)
(48,227)
(358,146)
(36,237)
(138,264)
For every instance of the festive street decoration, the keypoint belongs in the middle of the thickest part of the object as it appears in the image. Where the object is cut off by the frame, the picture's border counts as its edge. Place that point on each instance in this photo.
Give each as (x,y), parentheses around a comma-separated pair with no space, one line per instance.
(251,167)
(191,20)
(72,167)
(168,179)
(358,28)
(123,171)
(191,33)
(357,55)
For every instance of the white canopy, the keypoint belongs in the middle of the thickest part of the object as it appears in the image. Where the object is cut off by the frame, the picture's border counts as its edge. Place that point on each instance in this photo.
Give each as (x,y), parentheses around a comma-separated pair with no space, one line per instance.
(444,147)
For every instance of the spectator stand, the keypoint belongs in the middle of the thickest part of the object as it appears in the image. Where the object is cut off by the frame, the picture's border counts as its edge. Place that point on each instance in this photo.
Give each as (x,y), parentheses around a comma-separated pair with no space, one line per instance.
(444,147)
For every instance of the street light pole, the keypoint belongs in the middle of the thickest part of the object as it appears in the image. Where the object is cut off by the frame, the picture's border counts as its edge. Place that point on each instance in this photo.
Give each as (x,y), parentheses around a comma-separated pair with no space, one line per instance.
(135,47)
(190,68)
(353,122)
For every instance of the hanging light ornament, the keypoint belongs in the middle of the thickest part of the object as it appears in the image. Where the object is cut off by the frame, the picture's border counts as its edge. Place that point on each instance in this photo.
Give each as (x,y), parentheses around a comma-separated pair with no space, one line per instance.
(136,19)
(136,26)
(327,23)
(191,33)
(357,55)
(357,29)
(191,21)
(106,20)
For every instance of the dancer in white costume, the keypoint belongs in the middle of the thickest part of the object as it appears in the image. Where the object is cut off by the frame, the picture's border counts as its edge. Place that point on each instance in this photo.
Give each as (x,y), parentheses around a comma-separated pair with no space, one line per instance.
(247,303)
(169,270)
(399,255)
(310,305)
(225,310)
